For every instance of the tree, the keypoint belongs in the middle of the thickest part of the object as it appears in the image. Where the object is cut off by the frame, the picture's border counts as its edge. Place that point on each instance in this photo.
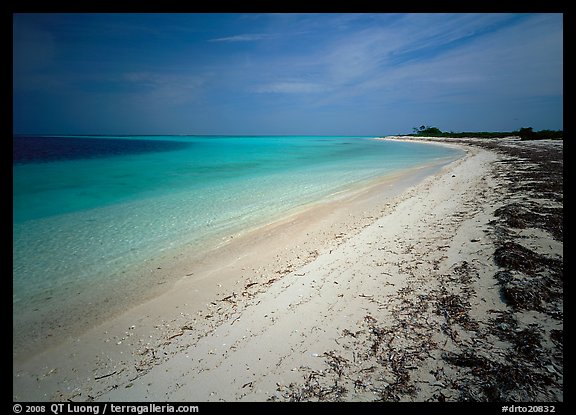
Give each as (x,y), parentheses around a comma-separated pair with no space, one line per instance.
(427,130)
(526,133)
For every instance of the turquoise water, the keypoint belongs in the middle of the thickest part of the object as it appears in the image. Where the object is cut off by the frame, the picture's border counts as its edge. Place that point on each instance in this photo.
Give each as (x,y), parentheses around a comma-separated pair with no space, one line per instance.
(83,215)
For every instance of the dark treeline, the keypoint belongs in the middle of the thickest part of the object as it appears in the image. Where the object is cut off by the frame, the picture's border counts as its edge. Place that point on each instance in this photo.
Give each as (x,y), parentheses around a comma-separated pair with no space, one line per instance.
(524,133)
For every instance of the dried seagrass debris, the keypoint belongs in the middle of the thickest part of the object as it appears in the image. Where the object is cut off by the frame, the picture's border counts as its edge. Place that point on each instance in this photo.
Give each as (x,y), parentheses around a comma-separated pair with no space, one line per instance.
(493,381)
(550,219)
(542,166)
(516,257)
(516,216)
(557,336)
(526,342)
(504,277)
(542,294)
(530,281)
(313,389)
(503,324)
(465,271)
(395,358)
(383,359)
(521,294)
(455,309)
(336,362)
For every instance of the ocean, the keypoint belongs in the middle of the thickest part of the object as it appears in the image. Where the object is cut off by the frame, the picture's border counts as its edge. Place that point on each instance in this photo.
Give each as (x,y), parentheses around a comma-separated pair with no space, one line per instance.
(88,210)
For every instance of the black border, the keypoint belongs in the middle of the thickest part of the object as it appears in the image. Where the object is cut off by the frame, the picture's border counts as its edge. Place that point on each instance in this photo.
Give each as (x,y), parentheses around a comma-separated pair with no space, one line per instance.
(10,7)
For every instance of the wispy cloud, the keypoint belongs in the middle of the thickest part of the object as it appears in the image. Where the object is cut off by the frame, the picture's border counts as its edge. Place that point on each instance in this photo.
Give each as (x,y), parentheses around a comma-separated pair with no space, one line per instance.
(291,88)
(467,57)
(247,37)
(309,65)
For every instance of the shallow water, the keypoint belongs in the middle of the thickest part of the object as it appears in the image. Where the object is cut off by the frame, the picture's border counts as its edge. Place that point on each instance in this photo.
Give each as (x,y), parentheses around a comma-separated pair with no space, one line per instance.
(87,210)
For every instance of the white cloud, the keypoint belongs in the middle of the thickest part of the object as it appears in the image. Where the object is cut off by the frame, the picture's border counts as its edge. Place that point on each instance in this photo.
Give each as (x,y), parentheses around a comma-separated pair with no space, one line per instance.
(291,88)
(249,37)
(413,63)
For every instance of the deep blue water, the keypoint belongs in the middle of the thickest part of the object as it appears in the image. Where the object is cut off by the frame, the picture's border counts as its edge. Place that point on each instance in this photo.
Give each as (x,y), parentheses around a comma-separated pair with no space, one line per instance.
(40,149)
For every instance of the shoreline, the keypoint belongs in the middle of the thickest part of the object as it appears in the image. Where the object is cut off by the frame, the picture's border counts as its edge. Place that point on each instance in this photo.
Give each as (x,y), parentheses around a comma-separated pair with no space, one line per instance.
(286,331)
(164,271)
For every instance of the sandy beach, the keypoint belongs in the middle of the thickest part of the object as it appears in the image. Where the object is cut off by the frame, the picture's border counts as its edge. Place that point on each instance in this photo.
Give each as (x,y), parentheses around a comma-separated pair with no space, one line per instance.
(448,288)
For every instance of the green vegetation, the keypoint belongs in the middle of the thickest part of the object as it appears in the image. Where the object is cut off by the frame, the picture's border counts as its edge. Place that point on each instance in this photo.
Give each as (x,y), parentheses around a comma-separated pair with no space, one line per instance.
(427,130)
(526,133)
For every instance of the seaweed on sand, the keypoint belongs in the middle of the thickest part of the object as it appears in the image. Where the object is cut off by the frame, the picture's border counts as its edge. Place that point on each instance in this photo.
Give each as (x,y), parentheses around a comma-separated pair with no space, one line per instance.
(515,215)
(493,381)
(526,342)
(513,256)
(455,309)
(529,281)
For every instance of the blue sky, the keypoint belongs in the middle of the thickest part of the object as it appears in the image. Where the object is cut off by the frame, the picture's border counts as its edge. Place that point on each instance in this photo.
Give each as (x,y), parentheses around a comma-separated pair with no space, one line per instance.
(332,74)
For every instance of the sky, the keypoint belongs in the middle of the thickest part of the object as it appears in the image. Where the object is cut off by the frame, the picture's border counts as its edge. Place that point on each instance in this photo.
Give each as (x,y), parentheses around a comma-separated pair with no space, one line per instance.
(285,73)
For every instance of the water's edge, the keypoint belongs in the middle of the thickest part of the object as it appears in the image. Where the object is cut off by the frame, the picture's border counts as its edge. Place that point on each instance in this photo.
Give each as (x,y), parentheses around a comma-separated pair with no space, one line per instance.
(68,313)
